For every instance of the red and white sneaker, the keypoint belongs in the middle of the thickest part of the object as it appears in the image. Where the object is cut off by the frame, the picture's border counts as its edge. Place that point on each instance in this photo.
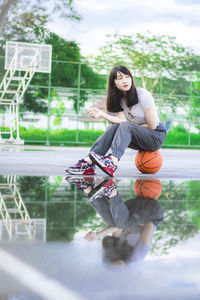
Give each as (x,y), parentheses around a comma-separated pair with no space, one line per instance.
(105,163)
(102,190)
(81,182)
(81,168)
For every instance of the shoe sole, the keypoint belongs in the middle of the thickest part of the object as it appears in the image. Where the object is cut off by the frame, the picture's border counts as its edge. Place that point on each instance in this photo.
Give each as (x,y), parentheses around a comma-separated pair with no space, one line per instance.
(79,173)
(94,197)
(93,159)
(97,190)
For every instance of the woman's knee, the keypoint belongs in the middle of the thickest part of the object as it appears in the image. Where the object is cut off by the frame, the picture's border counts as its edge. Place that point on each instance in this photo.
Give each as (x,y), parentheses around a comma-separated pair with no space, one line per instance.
(115,125)
(127,125)
(112,128)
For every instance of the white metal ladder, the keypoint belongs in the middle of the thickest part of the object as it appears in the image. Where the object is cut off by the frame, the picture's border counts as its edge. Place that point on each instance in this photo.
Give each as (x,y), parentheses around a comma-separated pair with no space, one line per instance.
(9,192)
(11,98)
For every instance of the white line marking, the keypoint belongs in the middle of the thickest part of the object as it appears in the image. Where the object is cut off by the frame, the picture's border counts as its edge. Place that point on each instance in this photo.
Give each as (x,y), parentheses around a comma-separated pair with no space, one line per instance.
(39,283)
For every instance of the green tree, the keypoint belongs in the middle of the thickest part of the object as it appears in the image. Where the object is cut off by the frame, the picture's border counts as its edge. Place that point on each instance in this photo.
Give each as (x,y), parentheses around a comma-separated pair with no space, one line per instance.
(19,16)
(194,101)
(53,200)
(152,58)
(159,64)
(27,22)
(63,56)
(67,57)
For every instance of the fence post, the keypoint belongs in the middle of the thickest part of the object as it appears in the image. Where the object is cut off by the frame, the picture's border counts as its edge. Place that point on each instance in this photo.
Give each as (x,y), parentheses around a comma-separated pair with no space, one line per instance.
(78,98)
(190,115)
(49,109)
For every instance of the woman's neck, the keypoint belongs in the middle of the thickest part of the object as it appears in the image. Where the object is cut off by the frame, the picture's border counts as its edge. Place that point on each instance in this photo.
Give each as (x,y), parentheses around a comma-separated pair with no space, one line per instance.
(125,100)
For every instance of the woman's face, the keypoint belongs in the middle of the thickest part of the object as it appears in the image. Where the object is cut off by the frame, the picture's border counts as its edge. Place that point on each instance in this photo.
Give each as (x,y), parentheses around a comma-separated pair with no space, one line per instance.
(123,82)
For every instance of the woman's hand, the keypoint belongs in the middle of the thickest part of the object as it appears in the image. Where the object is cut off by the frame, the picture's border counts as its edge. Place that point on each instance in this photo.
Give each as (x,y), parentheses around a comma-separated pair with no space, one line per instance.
(95,112)
(98,113)
(91,236)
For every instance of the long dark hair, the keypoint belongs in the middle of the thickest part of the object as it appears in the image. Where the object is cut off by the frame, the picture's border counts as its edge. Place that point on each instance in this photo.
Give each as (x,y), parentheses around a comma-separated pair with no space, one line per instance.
(114,95)
(113,250)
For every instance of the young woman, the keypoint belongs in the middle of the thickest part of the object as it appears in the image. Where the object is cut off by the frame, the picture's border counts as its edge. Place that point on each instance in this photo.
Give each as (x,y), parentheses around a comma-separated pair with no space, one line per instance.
(132,224)
(136,125)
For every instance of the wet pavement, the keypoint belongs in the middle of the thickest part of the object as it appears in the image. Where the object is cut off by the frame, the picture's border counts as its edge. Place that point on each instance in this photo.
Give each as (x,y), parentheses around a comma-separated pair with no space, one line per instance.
(132,237)
(41,160)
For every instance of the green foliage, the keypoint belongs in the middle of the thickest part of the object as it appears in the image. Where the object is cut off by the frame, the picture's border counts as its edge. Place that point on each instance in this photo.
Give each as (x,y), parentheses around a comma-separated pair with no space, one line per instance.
(158,63)
(194,202)
(179,135)
(75,74)
(58,136)
(194,101)
(176,136)
(67,210)
(59,109)
(146,53)
(30,184)
(17,18)
(182,138)
(35,100)
(177,224)
(179,128)
(33,134)
(28,23)
(49,199)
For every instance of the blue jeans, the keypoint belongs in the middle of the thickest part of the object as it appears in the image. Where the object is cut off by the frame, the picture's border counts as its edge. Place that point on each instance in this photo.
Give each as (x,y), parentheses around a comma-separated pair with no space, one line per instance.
(126,134)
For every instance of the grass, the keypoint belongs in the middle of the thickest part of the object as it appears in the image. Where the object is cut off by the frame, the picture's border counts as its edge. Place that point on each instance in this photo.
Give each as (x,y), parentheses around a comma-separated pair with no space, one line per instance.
(59,136)
(176,138)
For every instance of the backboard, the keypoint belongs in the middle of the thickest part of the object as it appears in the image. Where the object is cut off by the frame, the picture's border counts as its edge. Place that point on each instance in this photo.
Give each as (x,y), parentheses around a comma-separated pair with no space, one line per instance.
(21,56)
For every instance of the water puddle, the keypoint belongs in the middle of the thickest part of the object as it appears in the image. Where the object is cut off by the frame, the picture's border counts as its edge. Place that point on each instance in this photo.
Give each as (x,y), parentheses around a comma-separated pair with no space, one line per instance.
(144,228)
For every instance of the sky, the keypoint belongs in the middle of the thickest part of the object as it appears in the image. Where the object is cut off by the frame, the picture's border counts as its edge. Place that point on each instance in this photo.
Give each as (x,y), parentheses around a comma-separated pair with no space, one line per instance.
(174,275)
(179,18)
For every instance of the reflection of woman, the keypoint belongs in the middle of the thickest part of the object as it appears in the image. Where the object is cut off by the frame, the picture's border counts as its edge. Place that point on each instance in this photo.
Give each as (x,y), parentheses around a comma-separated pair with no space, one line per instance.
(135,125)
(132,224)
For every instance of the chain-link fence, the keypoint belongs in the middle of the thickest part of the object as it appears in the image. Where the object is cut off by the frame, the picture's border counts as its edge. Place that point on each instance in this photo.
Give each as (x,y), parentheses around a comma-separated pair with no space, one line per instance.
(59,209)
(54,110)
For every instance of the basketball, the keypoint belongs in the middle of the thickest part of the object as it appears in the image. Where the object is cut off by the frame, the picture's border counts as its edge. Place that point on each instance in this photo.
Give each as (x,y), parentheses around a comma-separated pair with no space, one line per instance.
(148,162)
(147,188)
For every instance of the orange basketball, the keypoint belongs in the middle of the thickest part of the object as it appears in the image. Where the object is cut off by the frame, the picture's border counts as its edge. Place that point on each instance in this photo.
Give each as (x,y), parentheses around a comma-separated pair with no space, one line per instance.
(148,188)
(148,162)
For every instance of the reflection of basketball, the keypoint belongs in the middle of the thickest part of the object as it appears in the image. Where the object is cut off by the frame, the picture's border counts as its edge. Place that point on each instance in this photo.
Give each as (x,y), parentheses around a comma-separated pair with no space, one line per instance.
(147,188)
(148,161)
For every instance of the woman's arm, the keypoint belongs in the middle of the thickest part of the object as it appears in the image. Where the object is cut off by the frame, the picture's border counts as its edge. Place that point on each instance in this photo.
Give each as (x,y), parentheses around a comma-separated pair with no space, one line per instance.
(120,117)
(91,236)
(97,113)
(146,234)
(150,115)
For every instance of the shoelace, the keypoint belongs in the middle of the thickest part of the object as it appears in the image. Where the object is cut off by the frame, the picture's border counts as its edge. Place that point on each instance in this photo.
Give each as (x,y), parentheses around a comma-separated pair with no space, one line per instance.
(109,162)
(83,161)
(80,162)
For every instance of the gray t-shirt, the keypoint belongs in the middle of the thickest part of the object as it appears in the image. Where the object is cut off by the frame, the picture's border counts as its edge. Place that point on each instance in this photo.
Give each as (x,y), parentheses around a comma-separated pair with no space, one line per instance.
(140,250)
(145,100)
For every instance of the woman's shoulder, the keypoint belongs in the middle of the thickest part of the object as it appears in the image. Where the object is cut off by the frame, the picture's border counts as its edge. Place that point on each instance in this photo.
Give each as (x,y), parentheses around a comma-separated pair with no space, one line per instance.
(144,97)
(142,91)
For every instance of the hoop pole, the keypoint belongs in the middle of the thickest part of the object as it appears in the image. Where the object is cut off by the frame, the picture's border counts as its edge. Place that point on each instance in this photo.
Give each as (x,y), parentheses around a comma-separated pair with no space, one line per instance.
(17,118)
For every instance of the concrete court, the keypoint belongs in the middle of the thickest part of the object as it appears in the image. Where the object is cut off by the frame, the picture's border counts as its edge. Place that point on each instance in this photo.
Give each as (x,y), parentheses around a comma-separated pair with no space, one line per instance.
(38,260)
(43,160)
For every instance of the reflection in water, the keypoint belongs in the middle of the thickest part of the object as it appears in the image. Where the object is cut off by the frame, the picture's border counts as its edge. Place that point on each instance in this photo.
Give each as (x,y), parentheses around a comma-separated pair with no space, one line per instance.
(125,217)
(16,222)
(148,188)
(53,209)
(132,223)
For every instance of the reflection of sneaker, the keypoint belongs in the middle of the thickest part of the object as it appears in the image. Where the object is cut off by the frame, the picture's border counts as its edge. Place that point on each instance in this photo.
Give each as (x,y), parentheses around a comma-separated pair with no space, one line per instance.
(82,168)
(81,182)
(103,189)
(105,163)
